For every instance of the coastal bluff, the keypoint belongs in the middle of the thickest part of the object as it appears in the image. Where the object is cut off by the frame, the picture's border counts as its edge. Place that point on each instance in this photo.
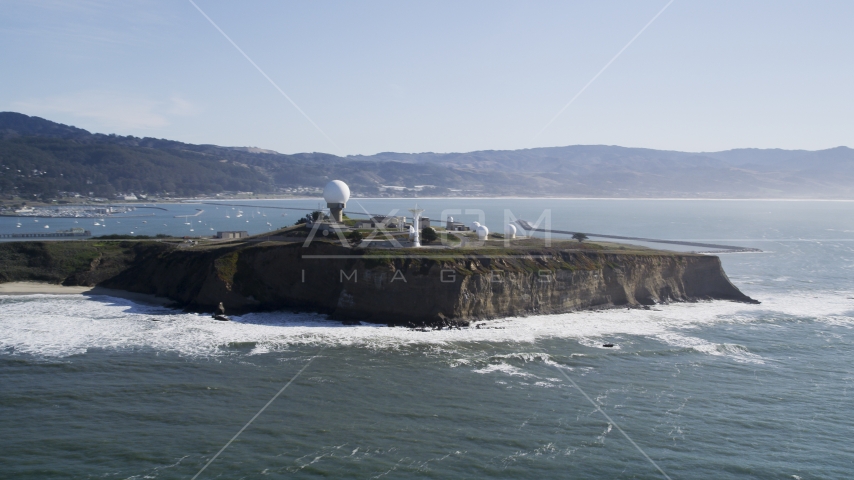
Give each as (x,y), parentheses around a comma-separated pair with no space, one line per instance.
(391,286)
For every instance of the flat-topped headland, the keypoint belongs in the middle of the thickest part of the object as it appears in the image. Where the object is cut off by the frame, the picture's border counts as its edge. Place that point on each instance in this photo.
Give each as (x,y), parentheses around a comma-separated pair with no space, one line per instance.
(398,286)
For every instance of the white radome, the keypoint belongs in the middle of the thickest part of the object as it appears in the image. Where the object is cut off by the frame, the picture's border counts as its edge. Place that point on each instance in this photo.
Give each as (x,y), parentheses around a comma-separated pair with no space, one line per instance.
(482,232)
(510,230)
(336,191)
(475,225)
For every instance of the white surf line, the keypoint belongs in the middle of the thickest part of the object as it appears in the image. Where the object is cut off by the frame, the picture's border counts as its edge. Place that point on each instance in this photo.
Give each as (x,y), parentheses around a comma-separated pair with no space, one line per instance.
(603,70)
(262,72)
(613,422)
(260,412)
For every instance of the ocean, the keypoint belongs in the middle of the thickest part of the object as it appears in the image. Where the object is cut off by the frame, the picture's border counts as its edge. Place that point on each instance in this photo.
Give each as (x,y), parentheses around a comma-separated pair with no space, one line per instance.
(101,387)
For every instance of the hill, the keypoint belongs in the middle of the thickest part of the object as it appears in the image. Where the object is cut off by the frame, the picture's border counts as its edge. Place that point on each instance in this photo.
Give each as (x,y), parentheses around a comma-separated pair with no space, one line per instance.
(40,158)
(599,170)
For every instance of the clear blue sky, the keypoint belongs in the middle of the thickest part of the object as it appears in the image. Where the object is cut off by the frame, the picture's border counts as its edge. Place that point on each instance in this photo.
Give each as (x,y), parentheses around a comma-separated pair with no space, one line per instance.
(438,76)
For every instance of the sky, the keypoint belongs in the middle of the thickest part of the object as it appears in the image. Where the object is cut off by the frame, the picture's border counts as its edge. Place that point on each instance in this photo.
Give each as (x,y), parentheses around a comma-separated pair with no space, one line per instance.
(456,76)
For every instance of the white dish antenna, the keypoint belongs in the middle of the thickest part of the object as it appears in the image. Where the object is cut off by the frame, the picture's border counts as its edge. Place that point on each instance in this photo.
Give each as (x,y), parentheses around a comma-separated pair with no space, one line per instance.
(510,231)
(482,232)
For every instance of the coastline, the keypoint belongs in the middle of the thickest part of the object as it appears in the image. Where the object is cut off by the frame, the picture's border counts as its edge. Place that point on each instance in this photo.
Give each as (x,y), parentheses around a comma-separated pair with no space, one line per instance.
(193,201)
(726,199)
(380,286)
(44,288)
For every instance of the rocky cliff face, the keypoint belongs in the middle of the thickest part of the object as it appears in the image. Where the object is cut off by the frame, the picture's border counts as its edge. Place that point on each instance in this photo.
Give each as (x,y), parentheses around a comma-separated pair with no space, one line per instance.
(398,288)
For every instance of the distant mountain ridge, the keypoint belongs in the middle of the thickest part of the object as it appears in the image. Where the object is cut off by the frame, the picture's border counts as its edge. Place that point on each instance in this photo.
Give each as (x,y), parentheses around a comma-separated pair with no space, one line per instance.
(600,170)
(75,160)
(581,155)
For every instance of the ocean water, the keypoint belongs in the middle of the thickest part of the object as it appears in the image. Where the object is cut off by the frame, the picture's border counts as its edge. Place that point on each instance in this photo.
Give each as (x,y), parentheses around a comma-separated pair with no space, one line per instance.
(101,387)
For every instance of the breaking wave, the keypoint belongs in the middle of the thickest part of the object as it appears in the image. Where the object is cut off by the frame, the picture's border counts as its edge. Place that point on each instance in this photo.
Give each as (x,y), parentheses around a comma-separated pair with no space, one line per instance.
(64,325)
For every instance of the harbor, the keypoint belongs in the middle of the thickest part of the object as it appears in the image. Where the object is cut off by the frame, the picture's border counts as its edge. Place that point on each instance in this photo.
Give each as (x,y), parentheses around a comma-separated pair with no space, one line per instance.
(75,211)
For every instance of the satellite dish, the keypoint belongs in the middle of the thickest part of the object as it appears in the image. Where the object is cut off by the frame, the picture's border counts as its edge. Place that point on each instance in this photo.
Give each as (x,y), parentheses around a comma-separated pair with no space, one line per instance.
(482,232)
(510,231)
(336,191)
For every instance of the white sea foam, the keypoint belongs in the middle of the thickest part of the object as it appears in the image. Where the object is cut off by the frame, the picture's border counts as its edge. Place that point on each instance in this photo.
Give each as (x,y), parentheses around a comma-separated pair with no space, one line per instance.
(505,369)
(62,325)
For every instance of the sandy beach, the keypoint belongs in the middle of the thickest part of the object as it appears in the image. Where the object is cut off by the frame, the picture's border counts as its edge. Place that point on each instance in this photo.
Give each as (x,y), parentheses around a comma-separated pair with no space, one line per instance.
(40,288)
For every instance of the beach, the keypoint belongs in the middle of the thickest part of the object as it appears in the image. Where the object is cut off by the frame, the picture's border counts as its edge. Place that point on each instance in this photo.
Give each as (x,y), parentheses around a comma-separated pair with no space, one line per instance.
(44,288)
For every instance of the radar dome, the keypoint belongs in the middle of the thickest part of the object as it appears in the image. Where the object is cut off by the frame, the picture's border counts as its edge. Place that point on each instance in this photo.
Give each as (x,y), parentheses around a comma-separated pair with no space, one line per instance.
(474,225)
(336,191)
(482,232)
(510,230)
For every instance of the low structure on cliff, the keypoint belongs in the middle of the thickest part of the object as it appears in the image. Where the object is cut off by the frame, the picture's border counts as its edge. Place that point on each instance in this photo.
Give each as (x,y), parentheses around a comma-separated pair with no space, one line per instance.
(231,234)
(452,226)
(383,221)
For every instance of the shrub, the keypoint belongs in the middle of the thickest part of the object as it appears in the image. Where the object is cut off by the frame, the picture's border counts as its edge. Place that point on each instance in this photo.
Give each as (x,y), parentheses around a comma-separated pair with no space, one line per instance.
(356,237)
(428,234)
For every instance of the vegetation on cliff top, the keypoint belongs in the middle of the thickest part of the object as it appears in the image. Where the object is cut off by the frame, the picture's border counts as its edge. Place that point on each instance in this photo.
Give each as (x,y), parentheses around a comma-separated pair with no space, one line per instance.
(55,262)
(87,262)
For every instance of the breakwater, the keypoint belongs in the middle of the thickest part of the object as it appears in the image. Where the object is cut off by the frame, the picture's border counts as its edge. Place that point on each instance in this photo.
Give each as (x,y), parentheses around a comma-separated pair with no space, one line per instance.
(719,248)
(84,233)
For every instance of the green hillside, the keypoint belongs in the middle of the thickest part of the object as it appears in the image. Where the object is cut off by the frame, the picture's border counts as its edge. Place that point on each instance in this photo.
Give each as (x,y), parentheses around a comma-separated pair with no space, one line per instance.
(46,166)
(42,159)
